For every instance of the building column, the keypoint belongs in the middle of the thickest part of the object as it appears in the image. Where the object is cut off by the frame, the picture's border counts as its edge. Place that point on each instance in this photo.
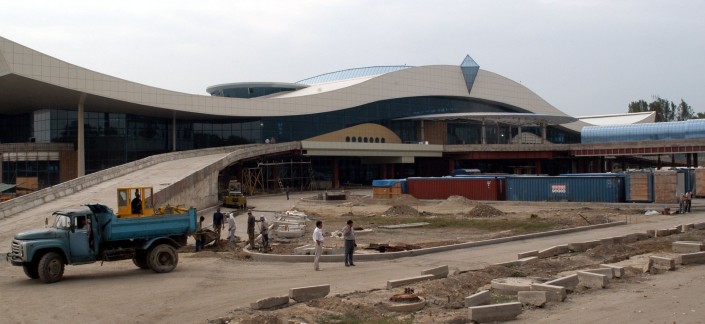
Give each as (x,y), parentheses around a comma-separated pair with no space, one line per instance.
(543,133)
(519,134)
(81,140)
(484,133)
(537,166)
(695,160)
(173,131)
(335,181)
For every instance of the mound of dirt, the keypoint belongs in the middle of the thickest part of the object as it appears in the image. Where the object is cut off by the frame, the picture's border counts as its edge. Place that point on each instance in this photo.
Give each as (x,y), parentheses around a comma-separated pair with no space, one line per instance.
(404,200)
(401,210)
(482,210)
(456,202)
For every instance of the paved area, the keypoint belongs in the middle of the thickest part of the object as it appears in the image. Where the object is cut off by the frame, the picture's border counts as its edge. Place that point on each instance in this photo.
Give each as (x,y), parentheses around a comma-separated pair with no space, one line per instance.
(206,286)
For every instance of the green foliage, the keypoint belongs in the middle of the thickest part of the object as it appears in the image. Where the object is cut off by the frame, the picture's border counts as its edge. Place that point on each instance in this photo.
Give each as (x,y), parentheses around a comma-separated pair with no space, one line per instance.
(665,110)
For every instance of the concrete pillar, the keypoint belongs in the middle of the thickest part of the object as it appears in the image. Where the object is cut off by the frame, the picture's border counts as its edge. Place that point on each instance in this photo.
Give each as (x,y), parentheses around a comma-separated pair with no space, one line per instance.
(695,160)
(81,140)
(335,183)
(484,133)
(673,160)
(537,162)
(423,136)
(497,125)
(519,134)
(543,133)
(173,131)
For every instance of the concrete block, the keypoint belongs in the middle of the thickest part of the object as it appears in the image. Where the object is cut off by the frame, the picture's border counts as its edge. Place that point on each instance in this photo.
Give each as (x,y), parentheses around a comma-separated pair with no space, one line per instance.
(662,262)
(568,282)
(405,281)
(527,254)
(663,232)
(270,302)
(481,298)
(533,298)
(406,307)
(527,260)
(609,272)
(693,258)
(583,246)
(438,272)
(687,246)
(511,285)
(617,270)
(699,226)
(593,280)
(651,233)
(555,293)
(303,294)
(642,236)
(493,313)
(690,226)
(675,230)
(553,251)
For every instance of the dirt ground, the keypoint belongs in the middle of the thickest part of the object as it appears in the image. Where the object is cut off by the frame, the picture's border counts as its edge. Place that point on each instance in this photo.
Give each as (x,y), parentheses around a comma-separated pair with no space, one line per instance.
(451,221)
(218,285)
(454,220)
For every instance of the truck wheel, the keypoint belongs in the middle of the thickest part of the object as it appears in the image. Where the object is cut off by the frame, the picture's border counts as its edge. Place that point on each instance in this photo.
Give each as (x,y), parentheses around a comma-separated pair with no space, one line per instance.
(140,259)
(51,267)
(30,269)
(162,258)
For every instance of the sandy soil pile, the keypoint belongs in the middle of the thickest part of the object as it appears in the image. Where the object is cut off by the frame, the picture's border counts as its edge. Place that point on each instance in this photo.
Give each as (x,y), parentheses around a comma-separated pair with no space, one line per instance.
(401,210)
(482,210)
(456,202)
(405,200)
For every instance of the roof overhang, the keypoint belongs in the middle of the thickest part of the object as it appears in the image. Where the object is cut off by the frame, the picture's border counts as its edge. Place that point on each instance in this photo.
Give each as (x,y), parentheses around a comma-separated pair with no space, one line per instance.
(517,119)
(390,153)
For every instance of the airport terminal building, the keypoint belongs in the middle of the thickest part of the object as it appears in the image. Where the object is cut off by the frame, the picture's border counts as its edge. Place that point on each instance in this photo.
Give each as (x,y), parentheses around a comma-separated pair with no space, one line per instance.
(59,121)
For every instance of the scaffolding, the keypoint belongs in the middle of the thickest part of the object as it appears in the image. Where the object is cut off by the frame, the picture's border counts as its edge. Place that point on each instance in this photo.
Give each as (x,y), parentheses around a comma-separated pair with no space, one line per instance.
(270,177)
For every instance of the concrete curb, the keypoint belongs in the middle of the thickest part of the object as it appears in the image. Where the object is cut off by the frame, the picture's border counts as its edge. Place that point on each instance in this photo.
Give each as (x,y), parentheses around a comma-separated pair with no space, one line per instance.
(395,255)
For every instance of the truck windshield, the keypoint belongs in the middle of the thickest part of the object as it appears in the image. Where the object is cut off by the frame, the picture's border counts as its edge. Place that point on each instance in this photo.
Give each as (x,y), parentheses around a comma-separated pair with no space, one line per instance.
(62,221)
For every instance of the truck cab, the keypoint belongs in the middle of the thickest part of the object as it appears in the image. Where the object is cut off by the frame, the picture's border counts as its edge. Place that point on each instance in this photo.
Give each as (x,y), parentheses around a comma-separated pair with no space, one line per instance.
(135,202)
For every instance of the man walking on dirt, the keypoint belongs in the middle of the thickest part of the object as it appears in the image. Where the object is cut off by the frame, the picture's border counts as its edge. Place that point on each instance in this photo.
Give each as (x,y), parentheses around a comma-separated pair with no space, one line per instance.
(349,236)
(218,224)
(251,229)
(318,240)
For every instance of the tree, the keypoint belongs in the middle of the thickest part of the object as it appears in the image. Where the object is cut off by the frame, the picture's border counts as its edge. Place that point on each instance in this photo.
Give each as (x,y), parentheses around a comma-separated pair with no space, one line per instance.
(685,112)
(665,110)
(638,106)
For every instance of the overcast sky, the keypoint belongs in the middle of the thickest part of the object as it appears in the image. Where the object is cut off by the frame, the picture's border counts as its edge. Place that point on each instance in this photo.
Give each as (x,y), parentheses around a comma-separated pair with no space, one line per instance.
(585,57)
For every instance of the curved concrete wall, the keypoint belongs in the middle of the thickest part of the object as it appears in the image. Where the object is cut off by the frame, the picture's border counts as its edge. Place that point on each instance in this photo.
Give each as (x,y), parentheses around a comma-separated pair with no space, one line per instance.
(195,189)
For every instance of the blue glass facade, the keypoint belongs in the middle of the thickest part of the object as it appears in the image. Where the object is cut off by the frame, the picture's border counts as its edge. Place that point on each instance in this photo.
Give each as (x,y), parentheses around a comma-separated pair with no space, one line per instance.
(644,132)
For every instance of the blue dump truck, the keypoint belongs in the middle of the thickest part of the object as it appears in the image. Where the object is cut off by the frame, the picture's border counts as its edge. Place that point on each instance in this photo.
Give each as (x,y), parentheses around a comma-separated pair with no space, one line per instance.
(92,233)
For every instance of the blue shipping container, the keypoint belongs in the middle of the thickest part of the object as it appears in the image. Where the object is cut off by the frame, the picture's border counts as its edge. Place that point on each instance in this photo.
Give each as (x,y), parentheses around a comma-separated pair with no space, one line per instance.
(581,188)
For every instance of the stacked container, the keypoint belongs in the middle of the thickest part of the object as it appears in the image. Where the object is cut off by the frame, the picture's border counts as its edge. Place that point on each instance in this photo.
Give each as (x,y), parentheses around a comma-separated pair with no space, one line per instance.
(470,187)
(386,189)
(568,187)
(639,186)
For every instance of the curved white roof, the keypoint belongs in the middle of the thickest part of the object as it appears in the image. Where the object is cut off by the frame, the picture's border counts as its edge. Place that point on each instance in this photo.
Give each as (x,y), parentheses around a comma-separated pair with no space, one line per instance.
(620,119)
(49,82)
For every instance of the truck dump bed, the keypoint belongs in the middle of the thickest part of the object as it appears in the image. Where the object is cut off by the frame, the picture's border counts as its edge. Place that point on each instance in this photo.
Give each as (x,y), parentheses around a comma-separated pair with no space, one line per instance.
(118,229)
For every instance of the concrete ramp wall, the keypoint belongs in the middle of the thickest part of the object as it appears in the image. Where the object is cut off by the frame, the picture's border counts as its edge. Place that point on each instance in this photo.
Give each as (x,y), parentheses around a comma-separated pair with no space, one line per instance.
(200,189)
(189,191)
